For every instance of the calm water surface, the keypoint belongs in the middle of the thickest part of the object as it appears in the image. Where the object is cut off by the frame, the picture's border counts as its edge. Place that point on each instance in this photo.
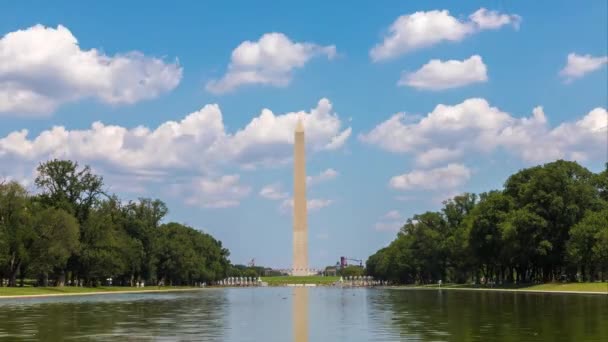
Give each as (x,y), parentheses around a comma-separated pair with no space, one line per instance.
(308,314)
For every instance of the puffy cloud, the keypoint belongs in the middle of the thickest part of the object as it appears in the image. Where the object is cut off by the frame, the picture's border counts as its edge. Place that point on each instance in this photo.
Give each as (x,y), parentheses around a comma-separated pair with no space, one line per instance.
(339,140)
(197,144)
(44,67)
(440,128)
(267,138)
(271,61)
(423,29)
(578,66)
(450,176)
(326,175)
(439,75)
(491,20)
(584,139)
(273,192)
(318,203)
(437,155)
(221,192)
(198,141)
(473,125)
(313,204)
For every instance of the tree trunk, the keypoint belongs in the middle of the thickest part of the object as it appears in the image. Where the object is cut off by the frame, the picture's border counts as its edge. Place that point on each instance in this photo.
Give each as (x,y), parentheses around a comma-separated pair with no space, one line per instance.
(61,278)
(520,275)
(12,279)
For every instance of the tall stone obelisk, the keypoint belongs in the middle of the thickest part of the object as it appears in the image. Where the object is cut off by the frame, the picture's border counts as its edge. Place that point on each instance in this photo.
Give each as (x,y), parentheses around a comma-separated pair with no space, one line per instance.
(300,221)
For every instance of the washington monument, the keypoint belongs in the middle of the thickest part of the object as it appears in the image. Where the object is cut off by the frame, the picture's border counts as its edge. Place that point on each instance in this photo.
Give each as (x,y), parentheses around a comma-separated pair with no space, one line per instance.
(300,221)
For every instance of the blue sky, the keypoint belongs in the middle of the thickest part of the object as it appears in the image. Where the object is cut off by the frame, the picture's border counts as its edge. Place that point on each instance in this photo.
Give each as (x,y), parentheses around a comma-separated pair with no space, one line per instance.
(405,104)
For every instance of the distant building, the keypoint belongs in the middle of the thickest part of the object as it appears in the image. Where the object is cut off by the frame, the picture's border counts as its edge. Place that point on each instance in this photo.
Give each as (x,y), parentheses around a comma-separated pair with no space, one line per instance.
(331,271)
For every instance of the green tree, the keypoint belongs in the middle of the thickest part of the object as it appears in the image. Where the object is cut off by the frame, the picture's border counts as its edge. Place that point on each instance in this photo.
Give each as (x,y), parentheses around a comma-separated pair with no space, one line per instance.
(455,243)
(15,224)
(142,222)
(600,249)
(107,249)
(66,186)
(352,271)
(548,221)
(601,183)
(427,255)
(587,247)
(69,228)
(525,243)
(186,256)
(55,239)
(485,235)
(559,192)
(456,209)
(377,264)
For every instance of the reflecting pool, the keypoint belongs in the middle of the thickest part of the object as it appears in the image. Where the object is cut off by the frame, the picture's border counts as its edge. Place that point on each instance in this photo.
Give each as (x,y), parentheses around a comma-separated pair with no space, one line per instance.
(308,314)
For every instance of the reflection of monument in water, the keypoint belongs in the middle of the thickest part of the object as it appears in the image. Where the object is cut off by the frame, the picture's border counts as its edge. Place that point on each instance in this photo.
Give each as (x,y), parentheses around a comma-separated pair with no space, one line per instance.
(300,224)
(300,314)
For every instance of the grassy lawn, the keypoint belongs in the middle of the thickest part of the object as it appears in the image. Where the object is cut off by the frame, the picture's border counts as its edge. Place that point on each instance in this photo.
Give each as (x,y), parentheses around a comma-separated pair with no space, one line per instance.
(27,291)
(284,280)
(582,287)
(593,287)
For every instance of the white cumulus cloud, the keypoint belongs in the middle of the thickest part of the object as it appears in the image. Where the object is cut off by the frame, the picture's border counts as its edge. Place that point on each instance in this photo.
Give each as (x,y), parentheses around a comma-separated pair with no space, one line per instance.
(490,20)
(578,66)
(439,75)
(273,192)
(271,60)
(448,177)
(313,204)
(451,131)
(197,141)
(198,144)
(44,67)
(423,29)
(323,176)
(221,192)
(437,155)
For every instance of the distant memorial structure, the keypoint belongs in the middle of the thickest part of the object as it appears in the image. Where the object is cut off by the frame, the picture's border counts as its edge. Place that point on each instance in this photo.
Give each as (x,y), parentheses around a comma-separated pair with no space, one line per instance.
(300,220)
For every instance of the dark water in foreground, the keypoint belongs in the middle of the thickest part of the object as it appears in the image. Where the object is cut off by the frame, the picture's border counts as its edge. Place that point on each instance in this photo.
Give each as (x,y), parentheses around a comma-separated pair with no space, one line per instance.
(308,314)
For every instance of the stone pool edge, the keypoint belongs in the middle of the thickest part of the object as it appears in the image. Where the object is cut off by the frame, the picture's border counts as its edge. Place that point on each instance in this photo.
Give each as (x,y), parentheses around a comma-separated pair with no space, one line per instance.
(94,293)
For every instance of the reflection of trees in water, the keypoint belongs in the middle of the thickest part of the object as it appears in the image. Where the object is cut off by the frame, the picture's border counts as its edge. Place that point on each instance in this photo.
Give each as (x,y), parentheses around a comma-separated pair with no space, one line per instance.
(194,315)
(483,316)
